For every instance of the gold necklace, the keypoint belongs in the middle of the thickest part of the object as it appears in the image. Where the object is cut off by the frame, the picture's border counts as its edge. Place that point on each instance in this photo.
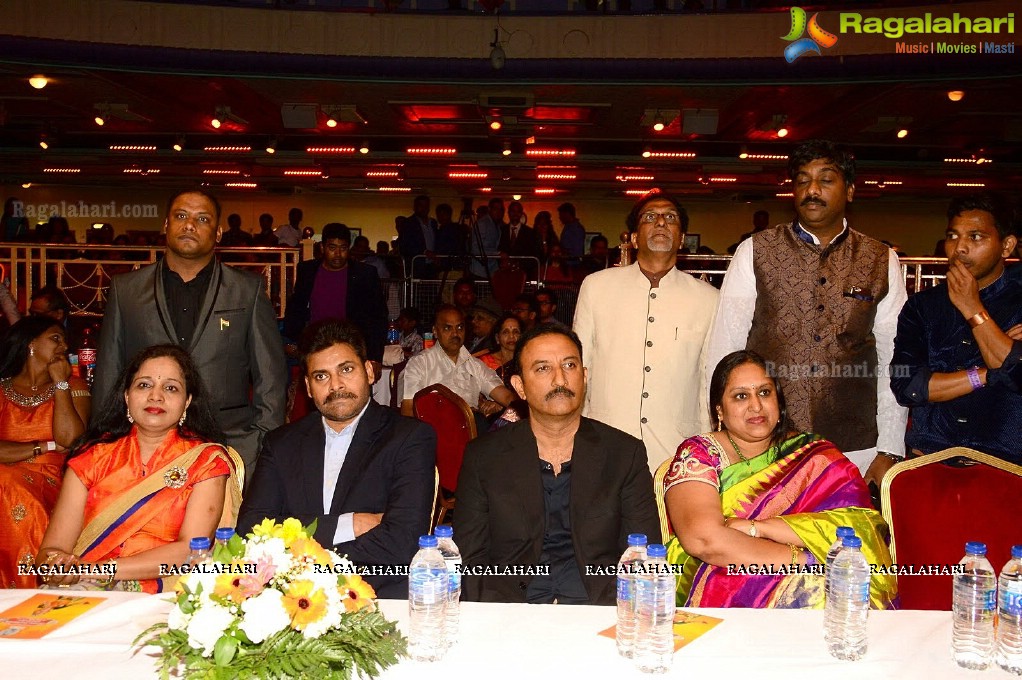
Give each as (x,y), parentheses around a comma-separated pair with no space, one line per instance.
(737,450)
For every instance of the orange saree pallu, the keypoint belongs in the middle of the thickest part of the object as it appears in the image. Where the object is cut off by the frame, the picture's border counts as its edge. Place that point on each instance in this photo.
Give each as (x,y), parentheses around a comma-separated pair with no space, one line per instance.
(133,507)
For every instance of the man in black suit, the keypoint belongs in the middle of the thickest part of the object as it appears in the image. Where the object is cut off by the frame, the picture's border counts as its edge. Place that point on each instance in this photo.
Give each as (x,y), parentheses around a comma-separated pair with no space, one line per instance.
(363,472)
(338,286)
(220,314)
(416,235)
(557,493)
(518,239)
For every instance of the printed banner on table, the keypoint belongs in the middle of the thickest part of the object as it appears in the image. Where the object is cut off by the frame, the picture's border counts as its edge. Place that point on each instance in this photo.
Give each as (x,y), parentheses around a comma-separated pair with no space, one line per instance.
(42,614)
(687,627)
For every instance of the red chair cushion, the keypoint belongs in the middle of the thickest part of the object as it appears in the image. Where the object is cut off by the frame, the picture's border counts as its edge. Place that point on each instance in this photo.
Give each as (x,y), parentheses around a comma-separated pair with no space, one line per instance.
(453,432)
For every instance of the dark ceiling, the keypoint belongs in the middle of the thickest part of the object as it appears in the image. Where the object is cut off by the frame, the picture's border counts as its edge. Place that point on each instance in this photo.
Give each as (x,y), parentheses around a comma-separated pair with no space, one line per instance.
(600,129)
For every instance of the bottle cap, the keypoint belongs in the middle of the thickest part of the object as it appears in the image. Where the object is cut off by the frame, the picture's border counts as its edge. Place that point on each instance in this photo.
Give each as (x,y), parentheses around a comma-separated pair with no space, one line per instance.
(656,550)
(1016,552)
(636,539)
(200,543)
(975,548)
(427,541)
(845,531)
(444,531)
(224,533)
(851,542)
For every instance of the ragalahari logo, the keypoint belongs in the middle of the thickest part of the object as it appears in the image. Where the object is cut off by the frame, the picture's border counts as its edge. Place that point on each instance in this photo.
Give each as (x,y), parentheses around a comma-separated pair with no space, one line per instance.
(817,36)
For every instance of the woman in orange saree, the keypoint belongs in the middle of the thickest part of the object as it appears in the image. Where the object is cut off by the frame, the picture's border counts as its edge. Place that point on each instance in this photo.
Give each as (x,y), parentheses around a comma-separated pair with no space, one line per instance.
(42,411)
(143,481)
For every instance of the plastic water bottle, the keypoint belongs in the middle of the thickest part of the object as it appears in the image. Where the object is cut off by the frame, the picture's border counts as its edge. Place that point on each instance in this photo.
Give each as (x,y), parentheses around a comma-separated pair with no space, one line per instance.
(393,333)
(428,584)
(452,556)
(835,548)
(654,612)
(199,551)
(1009,614)
(973,605)
(634,556)
(847,605)
(427,340)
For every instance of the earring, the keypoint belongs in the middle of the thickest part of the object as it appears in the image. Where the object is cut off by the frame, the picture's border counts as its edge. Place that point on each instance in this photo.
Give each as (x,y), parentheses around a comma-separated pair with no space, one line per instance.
(31,351)
(720,422)
(181,422)
(130,419)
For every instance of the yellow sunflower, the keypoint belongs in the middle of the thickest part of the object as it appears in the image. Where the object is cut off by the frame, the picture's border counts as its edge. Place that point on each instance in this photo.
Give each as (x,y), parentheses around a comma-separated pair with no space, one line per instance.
(356,593)
(305,604)
(236,586)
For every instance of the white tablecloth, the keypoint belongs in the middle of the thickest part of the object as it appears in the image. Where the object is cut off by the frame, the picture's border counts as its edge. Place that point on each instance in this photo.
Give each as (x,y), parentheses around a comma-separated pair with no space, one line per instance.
(535,641)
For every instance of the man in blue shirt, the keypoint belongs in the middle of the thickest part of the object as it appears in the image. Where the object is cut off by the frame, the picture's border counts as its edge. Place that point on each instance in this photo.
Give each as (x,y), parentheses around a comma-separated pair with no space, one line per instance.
(957,356)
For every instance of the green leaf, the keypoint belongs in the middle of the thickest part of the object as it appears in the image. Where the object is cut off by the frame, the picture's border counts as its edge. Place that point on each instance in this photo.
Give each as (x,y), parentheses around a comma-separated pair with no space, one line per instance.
(311,529)
(224,650)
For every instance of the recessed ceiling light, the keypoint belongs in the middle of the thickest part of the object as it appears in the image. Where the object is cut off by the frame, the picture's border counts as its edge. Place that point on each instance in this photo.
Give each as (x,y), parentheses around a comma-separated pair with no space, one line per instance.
(955,95)
(39,81)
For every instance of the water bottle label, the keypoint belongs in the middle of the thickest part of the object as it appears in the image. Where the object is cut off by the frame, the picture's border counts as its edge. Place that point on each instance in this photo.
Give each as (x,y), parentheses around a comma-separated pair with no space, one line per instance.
(428,585)
(990,600)
(864,592)
(624,589)
(1011,603)
(454,569)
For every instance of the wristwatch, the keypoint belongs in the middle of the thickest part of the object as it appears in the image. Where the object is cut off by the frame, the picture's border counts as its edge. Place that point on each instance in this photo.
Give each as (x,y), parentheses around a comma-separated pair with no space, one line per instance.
(62,385)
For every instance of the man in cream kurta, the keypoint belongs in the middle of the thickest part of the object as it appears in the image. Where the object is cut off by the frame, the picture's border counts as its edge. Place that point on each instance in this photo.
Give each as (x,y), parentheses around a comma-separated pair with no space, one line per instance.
(643,329)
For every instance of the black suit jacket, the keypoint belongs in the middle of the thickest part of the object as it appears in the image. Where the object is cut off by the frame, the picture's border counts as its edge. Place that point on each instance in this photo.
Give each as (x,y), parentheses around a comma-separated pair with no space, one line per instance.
(236,347)
(389,468)
(527,242)
(501,518)
(367,307)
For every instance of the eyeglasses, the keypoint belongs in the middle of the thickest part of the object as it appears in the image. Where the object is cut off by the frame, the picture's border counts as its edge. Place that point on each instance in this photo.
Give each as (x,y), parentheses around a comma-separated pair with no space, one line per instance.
(651,216)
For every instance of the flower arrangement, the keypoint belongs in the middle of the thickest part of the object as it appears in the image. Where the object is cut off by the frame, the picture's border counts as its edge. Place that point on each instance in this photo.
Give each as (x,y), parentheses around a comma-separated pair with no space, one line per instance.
(276,604)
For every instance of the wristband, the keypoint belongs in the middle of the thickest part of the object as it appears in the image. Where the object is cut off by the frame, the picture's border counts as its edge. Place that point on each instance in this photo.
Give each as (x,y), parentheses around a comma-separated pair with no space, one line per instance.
(36,450)
(973,374)
(979,319)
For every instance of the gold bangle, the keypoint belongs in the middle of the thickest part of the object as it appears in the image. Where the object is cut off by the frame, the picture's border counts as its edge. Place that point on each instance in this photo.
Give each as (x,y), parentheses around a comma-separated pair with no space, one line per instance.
(795,550)
(108,581)
(979,319)
(752,528)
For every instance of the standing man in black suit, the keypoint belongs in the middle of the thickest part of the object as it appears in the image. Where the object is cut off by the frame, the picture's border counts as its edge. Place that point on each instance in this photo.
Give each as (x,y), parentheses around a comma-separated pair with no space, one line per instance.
(337,286)
(362,471)
(558,493)
(416,235)
(518,239)
(220,314)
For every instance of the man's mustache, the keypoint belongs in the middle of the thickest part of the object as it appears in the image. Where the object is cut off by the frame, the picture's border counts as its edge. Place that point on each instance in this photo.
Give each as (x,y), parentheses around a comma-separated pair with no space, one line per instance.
(334,396)
(812,199)
(559,390)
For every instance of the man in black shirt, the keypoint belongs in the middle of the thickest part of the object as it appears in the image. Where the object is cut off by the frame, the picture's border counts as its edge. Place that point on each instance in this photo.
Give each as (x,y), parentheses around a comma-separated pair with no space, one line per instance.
(220,314)
(545,505)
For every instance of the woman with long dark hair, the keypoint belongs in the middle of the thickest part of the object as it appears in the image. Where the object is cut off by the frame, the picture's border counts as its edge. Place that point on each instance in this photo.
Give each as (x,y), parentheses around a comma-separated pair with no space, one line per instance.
(756,493)
(43,409)
(149,475)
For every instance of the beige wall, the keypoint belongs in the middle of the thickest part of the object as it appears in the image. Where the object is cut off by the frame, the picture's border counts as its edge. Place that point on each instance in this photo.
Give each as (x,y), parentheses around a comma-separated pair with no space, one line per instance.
(913,224)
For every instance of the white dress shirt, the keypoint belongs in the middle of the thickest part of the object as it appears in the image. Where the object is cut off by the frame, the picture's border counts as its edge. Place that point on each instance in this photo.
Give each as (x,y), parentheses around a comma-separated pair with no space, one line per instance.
(336,450)
(468,378)
(731,327)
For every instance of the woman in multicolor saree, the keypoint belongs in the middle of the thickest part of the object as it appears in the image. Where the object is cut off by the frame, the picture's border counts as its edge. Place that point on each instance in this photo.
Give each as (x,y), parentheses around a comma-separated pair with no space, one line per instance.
(143,480)
(758,497)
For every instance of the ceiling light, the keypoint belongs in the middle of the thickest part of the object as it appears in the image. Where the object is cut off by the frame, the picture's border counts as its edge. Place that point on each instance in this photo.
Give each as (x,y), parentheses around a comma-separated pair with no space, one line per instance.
(468,175)
(485,190)
(331,121)
(431,151)
(902,133)
(216,171)
(784,194)
(647,152)
(516,197)
(668,154)
(38,81)
(634,178)
(227,149)
(218,117)
(44,142)
(383,173)
(132,147)
(782,132)
(550,152)
(544,191)
(70,171)
(241,185)
(495,122)
(271,145)
(658,122)
(745,155)
(507,149)
(556,175)
(955,95)
(179,143)
(637,192)
(100,119)
(303,173)
(364,149)
(394,189)
(26,185)
(966,184)
(330,149)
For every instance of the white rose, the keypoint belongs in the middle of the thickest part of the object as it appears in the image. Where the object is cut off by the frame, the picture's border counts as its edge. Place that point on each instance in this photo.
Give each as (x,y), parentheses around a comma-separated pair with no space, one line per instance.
(207,625)
(264,615)
(177,619)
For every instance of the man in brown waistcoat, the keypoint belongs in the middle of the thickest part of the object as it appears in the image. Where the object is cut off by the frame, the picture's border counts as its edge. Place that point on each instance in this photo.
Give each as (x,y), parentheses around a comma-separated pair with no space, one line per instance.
(820,301)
